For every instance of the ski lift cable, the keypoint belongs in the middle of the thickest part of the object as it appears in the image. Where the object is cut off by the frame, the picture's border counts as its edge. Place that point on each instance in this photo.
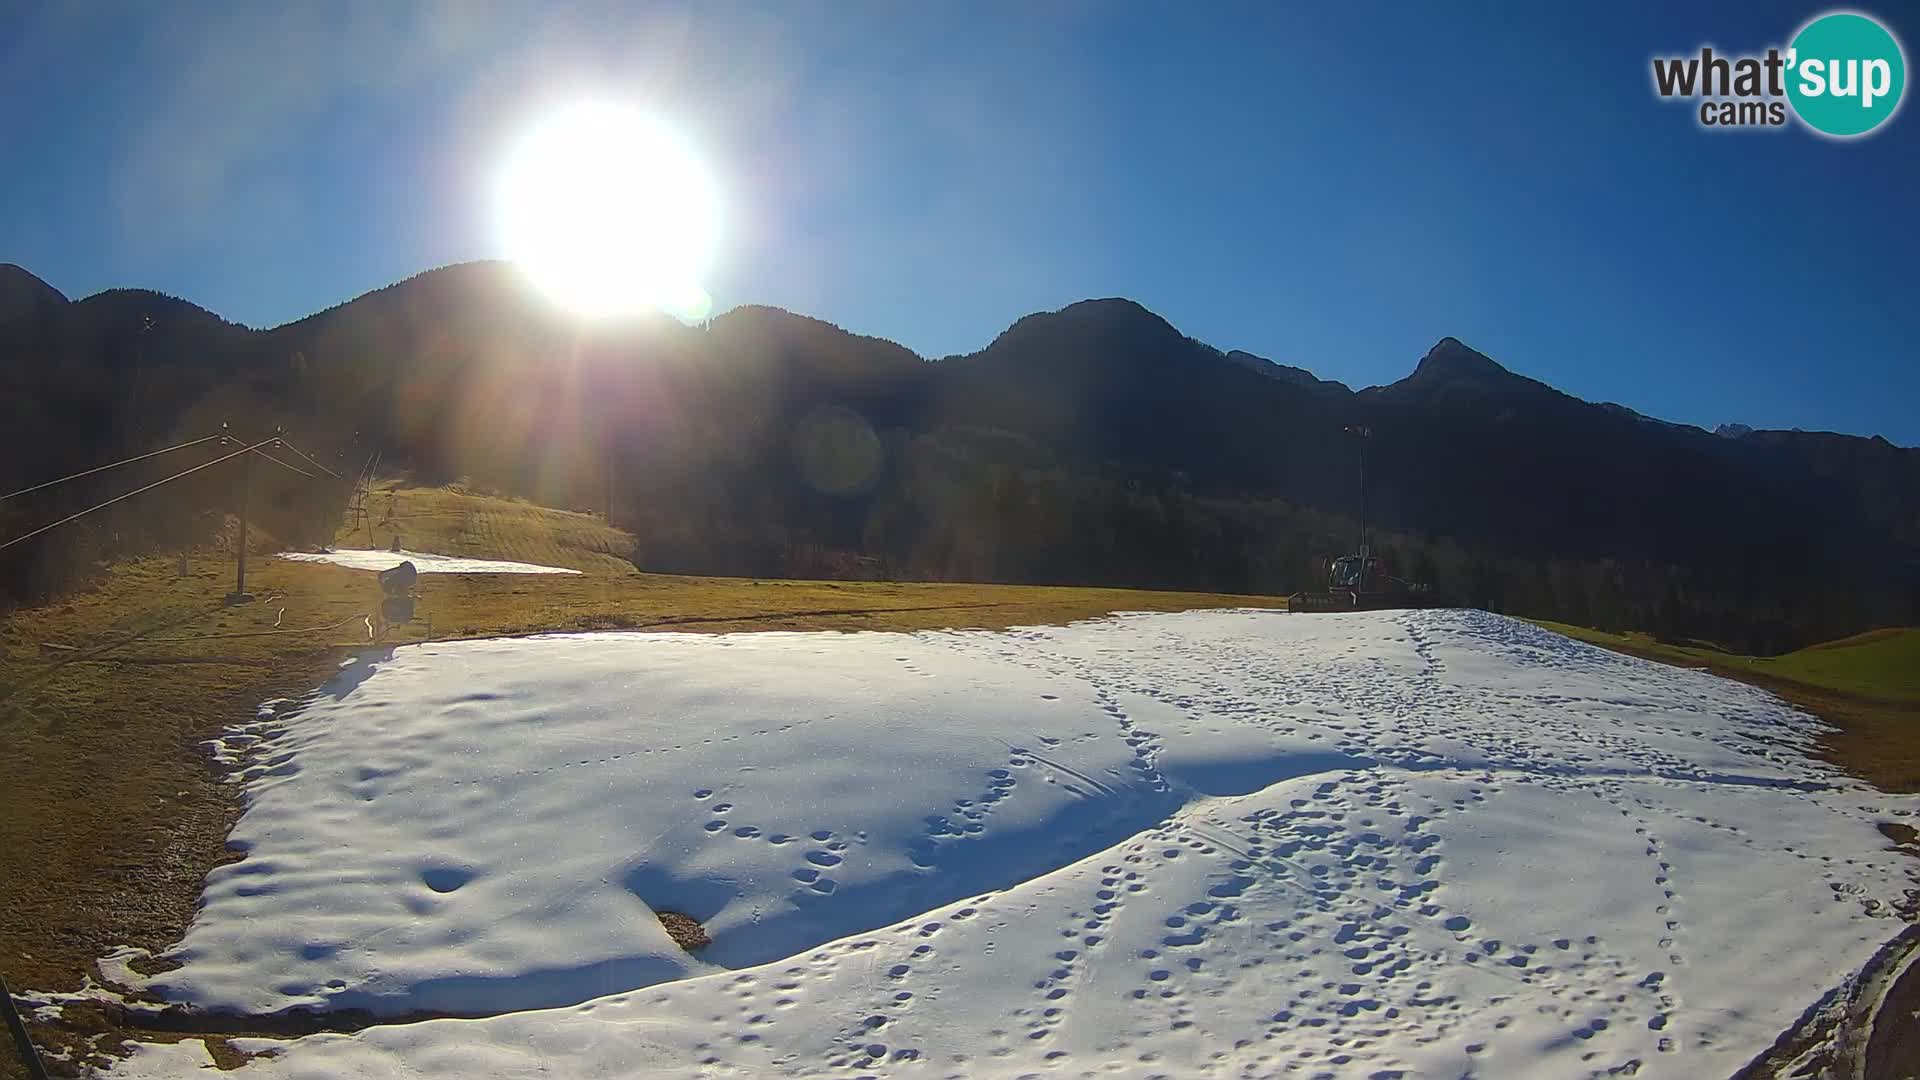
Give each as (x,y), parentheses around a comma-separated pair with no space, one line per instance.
(135,491)
(271,458)
(284,465)
(104,468)
(296,451)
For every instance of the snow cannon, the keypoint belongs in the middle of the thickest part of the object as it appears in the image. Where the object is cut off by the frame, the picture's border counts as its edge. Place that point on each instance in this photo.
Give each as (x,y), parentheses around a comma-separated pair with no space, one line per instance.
(397,583)
(399,580)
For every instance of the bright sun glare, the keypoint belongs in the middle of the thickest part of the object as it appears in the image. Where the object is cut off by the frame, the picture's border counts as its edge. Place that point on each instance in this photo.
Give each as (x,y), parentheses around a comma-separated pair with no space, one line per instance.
(610,212)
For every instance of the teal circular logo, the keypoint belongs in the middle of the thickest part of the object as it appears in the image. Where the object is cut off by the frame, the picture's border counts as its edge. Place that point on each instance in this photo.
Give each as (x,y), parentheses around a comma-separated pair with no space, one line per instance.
(1845,74)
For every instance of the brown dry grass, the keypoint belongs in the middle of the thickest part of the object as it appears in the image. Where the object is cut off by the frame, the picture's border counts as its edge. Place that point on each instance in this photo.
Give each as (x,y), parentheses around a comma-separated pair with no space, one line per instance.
(454,521)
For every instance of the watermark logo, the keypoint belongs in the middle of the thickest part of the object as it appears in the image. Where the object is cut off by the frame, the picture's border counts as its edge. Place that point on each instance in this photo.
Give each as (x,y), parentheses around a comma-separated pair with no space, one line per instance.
(1851,74)
(1843,75)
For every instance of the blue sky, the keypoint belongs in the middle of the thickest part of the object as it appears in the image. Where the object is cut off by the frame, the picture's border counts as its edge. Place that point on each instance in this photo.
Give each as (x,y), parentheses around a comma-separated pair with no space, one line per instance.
(1334,186)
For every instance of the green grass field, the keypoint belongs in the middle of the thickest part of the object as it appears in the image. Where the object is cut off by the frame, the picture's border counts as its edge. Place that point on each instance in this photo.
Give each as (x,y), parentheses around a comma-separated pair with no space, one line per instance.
(1879,663)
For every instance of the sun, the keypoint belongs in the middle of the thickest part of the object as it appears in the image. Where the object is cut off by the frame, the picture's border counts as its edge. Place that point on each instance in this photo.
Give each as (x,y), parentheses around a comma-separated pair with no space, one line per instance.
(609,212)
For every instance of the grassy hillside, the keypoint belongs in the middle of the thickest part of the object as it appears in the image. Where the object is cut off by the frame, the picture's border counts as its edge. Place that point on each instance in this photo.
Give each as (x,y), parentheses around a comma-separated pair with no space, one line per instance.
(110,817)
(1867,686)
(452,521)
(1881,663)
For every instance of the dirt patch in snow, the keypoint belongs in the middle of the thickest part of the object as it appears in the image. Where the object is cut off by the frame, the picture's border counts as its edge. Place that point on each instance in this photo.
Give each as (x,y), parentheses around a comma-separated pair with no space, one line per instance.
(685,930)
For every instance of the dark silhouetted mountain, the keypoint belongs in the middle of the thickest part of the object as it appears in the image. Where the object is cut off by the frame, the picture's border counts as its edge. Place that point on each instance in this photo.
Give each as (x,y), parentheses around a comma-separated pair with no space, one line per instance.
(1096,443)
(815,362)
(1732,431)
(23,296)
(1453,376)
(1298,376)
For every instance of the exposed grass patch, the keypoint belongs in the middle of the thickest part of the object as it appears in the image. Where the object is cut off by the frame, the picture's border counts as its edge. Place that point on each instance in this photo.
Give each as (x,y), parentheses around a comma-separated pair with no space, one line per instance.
(1880,663)
(1867,687)
(453,521)
(110,812)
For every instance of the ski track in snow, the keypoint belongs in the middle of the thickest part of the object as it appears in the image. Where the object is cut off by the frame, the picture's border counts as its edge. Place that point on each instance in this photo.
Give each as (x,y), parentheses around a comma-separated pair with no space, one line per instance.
(1214,843)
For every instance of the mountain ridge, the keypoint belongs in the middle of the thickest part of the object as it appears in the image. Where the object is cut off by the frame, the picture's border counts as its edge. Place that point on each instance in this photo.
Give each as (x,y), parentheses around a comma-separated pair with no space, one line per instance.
(22,293)
(1448,360)
(1094,444)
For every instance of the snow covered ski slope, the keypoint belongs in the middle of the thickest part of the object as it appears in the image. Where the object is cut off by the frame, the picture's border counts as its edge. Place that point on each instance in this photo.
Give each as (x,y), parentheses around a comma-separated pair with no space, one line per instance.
(1209,844)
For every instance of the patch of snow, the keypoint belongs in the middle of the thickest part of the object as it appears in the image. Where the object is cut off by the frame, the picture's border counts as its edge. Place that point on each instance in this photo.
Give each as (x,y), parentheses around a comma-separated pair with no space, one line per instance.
(188,1057)
(425,562)
(1213,843)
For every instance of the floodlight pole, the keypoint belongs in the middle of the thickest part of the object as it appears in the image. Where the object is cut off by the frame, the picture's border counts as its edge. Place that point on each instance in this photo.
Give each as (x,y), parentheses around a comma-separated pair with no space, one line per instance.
(606,434)
(1365,435)
(585,357)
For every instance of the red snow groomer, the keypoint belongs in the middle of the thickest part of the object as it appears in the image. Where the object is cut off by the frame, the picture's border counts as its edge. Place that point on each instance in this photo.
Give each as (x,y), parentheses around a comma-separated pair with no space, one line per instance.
(1361,582)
